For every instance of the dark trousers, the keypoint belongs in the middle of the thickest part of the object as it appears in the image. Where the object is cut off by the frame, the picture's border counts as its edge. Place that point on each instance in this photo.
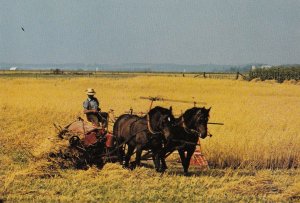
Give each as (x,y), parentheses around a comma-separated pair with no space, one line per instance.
(97,118)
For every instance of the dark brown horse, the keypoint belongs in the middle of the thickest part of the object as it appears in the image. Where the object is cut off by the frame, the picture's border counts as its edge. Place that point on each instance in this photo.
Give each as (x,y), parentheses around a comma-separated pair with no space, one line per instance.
(184,137)
(144,133)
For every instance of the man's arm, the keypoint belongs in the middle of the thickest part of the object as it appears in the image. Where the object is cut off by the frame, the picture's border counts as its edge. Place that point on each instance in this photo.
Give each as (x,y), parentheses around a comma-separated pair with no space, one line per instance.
(85,111)
(85,108)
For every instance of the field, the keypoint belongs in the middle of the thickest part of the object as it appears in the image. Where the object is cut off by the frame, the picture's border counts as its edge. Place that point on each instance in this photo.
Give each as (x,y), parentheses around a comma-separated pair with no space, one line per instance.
(255,156)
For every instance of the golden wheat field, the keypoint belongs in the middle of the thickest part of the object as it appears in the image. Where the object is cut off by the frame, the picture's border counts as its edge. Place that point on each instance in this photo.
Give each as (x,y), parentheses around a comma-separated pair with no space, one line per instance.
(255,156)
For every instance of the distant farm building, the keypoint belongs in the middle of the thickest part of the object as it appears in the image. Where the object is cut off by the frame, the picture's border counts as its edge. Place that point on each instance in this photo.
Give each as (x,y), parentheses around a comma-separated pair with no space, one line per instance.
(13,68)
(266,66)
(262,67)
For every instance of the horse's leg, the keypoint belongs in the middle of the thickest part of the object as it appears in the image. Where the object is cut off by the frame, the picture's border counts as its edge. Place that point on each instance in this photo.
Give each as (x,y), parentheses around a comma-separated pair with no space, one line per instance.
(121,154)
(128,155)
(182,158)
(138,155)
(167,148)
(120,150)
(156,159)
(157,162)
(162,155)
(163,164)
(190,152)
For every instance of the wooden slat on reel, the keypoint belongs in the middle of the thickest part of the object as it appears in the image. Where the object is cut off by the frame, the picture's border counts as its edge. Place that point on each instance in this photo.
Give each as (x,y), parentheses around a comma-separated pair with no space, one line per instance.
(152,99)
(172,100)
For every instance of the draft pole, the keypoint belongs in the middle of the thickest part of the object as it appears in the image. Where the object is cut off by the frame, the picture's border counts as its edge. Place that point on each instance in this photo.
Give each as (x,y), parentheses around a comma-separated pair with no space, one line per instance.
(151,104)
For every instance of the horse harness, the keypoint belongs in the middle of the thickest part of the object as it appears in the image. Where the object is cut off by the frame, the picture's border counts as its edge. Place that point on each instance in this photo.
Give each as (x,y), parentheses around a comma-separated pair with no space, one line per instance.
(149,125)
(188,130)
(148,128)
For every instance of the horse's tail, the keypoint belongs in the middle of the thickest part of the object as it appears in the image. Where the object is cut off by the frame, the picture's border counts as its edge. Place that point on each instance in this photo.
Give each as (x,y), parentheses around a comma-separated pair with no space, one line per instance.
(118,124)
(120,139)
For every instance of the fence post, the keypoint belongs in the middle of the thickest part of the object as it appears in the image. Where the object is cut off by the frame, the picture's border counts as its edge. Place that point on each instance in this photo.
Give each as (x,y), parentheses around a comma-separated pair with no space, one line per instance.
(204,75)
(237,75)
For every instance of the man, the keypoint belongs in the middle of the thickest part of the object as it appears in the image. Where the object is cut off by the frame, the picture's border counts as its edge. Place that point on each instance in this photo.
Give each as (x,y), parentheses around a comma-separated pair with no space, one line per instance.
(91,108)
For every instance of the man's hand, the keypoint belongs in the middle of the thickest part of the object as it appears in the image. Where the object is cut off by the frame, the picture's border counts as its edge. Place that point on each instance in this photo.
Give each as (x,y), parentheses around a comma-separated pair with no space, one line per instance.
(90,111)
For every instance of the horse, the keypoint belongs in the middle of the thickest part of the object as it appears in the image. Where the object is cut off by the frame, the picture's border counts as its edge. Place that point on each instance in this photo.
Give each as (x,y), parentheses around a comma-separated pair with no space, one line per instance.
(184,137)
(144,133)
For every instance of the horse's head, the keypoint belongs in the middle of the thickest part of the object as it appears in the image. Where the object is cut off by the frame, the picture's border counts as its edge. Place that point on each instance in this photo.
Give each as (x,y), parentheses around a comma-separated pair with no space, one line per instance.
(161,120)
(195,120)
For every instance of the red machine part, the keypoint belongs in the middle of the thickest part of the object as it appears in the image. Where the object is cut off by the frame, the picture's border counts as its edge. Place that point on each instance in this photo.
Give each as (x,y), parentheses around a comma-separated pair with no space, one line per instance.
(90,138)
(198,159)
(109,140)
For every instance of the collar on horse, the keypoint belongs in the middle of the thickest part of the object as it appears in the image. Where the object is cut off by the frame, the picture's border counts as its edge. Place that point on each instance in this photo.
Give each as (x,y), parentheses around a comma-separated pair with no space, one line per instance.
(149,126)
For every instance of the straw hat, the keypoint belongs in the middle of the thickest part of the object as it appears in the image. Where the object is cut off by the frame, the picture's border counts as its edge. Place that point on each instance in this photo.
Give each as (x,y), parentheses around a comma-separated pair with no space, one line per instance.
(90,91)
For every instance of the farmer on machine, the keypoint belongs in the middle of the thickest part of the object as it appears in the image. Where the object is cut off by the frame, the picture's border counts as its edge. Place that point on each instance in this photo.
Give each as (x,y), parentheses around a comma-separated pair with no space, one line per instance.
(92,110)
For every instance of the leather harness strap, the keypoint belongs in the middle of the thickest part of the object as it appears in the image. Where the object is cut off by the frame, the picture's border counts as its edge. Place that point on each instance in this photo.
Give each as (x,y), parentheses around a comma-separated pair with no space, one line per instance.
(186,129)
(149,126)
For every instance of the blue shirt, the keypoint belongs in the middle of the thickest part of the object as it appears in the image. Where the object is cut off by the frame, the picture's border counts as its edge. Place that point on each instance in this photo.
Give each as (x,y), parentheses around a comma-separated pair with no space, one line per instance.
(91,104)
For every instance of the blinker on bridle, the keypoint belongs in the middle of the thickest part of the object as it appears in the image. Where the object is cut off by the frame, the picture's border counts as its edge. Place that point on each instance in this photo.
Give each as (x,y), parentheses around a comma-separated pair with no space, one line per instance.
(192,131)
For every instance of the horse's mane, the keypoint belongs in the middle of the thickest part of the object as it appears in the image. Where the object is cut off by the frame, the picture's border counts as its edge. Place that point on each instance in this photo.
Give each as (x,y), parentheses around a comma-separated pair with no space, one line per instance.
(159,109)
(190,113)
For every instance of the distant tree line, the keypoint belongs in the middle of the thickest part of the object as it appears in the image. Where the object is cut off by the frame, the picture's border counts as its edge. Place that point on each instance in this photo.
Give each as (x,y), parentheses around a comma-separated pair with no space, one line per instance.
(57,71)
(279,73)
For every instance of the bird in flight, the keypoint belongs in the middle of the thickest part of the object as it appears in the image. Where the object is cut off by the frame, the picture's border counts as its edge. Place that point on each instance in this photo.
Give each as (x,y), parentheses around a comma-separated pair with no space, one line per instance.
(23,29)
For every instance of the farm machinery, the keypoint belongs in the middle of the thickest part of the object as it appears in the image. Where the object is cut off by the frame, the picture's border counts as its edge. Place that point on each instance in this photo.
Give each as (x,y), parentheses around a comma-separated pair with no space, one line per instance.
(83,145)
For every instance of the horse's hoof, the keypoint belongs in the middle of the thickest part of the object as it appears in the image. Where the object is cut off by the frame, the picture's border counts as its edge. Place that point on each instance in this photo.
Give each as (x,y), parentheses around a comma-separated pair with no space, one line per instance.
(132,166)
(160,170)
(187,174)
(163,170)
(125,167)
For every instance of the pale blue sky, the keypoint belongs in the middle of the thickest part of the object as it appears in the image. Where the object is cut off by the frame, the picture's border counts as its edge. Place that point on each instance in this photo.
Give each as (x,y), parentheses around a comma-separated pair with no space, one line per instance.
(144,31)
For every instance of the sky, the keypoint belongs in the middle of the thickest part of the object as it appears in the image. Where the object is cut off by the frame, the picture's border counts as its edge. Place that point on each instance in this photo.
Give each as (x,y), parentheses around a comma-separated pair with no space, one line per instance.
(144,31)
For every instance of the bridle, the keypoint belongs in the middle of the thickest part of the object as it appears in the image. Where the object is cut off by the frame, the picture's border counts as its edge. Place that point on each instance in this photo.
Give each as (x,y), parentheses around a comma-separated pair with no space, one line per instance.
(195,119)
